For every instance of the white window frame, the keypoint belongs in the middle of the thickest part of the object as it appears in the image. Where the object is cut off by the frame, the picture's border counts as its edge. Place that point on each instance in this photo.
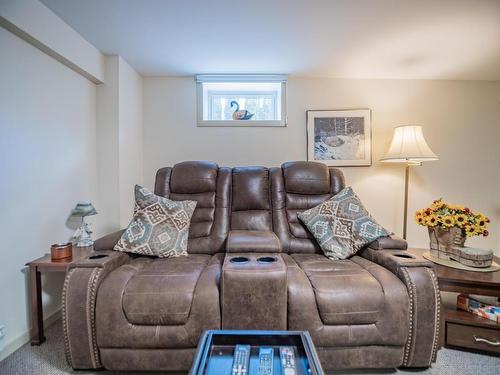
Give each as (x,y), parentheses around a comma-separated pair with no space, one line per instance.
(240,78)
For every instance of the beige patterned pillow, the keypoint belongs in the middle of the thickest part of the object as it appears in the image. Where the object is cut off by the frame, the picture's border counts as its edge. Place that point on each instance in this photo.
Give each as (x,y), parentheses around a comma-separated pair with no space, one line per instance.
(342,225)
(160,226)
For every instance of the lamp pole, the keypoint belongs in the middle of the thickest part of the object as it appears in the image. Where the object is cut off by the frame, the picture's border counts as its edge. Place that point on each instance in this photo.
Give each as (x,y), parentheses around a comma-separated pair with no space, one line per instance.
(409,163)
(405,213)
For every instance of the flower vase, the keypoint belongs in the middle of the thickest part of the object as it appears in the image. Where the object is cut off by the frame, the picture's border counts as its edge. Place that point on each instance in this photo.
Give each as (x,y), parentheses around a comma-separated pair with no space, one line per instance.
(443,240)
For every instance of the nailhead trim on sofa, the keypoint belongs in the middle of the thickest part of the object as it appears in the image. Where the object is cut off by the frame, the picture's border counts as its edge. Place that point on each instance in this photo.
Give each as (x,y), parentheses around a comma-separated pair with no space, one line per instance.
(67,347)
(437,311)
(412,292)
(91,298)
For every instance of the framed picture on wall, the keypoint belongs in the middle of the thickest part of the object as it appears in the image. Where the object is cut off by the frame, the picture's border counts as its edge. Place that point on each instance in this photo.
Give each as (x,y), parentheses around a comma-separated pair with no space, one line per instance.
(340,138)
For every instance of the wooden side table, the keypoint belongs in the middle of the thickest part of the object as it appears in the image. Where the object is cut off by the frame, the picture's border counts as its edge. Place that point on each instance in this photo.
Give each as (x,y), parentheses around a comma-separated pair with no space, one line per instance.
(36,267)
(462,329)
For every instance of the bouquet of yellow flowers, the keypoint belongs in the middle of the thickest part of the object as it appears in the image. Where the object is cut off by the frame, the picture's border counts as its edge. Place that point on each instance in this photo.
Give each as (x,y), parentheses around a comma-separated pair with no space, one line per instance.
(445,215)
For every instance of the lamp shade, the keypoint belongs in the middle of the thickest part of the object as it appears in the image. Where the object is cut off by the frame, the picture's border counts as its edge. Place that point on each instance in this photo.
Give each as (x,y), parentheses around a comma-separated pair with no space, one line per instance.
(83,209)
(408,145)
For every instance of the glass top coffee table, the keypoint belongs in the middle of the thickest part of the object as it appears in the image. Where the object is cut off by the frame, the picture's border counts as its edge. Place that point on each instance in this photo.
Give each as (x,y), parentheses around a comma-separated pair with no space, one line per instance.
(257,353)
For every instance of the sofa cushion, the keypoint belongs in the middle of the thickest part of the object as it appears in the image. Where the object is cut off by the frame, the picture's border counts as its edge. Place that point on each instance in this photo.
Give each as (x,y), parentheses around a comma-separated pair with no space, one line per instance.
(192,177)
(306,178)
(250,199)
(159,227)
(115,306)
(161,291)
(345,292)
(208,185)
(325,299)
(291,194)
(342,225)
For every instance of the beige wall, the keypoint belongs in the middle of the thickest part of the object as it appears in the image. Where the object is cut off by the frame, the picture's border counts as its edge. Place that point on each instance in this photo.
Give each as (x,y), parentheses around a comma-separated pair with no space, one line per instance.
(62,140)
(119,140)
(461,123)
(47,164)
(130,138)
(108,173)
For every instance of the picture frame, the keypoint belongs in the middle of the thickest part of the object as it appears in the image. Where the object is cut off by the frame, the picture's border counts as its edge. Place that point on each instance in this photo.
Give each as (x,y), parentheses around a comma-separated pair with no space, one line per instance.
(339,138)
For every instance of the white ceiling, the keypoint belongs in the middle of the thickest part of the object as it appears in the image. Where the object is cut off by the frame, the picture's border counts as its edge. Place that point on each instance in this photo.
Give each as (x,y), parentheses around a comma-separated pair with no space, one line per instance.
(426,39)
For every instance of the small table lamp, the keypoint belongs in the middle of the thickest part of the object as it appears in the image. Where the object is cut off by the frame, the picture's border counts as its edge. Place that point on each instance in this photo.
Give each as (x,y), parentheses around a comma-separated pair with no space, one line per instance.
(83,235)
(408,146)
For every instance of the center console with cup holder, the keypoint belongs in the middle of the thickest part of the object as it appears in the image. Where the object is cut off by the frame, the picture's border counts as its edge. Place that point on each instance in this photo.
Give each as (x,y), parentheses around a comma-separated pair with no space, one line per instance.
(254,291)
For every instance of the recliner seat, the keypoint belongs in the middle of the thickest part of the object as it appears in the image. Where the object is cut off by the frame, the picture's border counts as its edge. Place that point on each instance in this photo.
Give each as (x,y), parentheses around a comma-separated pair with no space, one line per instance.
(125,312)
(165,303)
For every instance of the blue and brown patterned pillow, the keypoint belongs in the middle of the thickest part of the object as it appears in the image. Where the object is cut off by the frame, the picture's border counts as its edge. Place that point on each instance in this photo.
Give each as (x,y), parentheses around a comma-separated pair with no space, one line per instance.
(342,225)
(160,226)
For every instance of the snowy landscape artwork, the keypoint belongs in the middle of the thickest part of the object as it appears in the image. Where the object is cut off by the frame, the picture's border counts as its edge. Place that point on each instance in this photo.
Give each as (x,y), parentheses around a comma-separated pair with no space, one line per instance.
(339,138)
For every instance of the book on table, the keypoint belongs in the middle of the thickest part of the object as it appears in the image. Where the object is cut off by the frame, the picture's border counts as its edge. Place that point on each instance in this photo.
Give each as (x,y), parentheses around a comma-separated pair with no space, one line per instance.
(479,306)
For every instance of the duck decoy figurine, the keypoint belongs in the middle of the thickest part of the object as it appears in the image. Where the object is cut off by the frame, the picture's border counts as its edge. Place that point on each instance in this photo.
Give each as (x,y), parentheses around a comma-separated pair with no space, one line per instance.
(242,114)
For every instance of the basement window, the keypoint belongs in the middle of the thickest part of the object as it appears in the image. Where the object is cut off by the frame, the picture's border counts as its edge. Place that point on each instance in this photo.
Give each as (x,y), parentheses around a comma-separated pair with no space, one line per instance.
(241,100)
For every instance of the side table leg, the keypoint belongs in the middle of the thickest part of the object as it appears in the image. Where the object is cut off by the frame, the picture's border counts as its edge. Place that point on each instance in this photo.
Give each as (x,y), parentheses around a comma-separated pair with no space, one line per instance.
(37,336)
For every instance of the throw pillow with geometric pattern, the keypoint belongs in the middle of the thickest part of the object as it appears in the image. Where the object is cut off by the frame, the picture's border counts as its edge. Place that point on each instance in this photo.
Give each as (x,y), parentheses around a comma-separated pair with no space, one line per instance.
(160,226)
(342,225)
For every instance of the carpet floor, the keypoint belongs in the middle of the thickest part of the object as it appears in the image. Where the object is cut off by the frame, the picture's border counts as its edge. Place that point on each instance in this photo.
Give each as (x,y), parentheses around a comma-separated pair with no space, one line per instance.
(49,359)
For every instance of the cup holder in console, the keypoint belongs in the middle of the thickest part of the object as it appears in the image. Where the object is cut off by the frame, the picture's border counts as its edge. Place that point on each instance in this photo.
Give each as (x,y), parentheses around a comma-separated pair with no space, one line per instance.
(239,260)
(99,256)
(266,260)
(406,256)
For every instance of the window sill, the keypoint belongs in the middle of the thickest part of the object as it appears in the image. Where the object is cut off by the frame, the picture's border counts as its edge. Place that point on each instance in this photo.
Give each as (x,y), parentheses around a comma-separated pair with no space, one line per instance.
(241,123)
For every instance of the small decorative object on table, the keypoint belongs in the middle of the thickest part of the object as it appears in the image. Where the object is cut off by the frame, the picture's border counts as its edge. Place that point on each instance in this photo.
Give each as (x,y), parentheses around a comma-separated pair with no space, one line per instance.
(83,235)
(449,225)
(61,252)
(240,114)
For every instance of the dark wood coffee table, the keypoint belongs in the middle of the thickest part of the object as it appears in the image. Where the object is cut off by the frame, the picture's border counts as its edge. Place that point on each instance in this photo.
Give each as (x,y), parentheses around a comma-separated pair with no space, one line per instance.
(45,264)
(462,329)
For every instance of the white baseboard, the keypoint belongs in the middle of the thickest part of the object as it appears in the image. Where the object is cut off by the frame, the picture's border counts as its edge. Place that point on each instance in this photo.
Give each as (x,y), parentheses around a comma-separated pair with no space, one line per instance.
(15,343)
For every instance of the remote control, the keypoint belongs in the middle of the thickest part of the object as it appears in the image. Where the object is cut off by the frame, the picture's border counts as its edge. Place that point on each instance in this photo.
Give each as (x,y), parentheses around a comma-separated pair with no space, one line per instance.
(240,360)
(288,360)
(266,361)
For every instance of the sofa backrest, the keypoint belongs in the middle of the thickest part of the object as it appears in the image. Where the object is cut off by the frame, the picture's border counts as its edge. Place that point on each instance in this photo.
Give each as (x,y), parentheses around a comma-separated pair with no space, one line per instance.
(208,185)
(296,187)
(250,199)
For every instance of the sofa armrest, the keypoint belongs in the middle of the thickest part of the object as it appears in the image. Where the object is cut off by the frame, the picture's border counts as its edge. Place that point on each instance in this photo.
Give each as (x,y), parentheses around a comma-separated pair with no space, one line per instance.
(252,241)
(108,241)
(394,260)
(81,284)
(389,242)
(105,259)
(425,302)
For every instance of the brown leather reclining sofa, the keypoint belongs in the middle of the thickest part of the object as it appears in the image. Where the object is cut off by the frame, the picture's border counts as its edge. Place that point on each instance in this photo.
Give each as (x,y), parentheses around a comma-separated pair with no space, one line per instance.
(380,308)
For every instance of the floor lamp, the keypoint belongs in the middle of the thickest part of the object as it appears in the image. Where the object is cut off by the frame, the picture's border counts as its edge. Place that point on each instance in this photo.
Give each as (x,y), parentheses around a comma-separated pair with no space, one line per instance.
(408,146)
